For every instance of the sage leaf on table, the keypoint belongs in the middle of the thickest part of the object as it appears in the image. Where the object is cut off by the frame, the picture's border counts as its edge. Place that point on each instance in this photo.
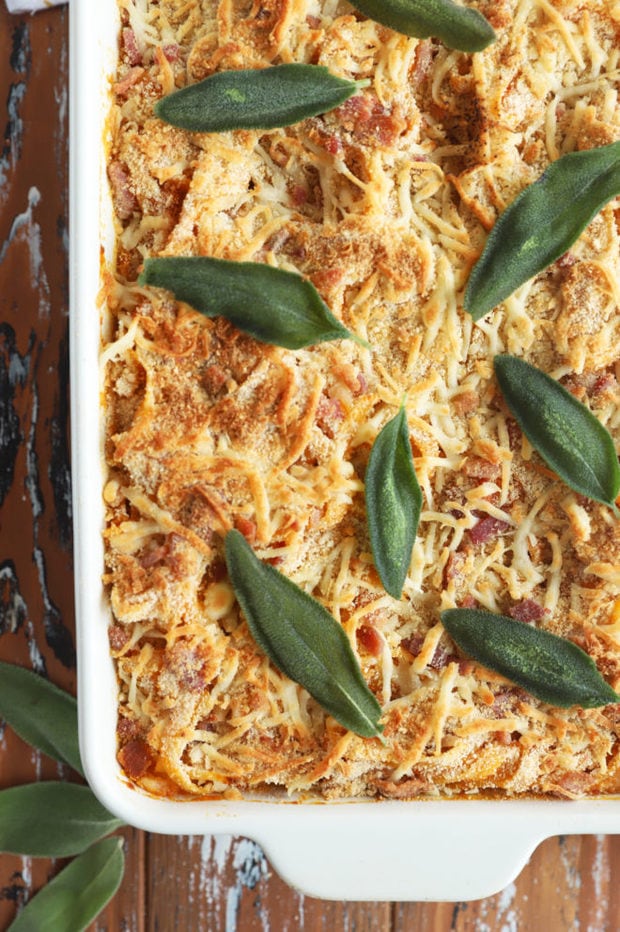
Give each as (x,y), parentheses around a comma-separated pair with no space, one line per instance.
(561,429)
(40,713)
(458,27)
(255,98)
(542,223)
(393,503)
(71,901)
(301,638)
(550,668)
(52,819)
(272,305)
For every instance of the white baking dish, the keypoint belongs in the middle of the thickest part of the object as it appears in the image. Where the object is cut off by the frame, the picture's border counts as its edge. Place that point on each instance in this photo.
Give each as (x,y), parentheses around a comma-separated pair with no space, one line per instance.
(452,850)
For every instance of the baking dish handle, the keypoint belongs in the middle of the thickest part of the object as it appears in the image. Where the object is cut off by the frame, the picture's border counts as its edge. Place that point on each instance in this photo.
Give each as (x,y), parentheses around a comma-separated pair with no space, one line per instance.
(442,852)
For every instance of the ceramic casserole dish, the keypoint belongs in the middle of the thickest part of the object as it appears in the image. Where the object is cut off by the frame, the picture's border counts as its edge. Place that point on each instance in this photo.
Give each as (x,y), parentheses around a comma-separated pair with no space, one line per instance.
(390,850)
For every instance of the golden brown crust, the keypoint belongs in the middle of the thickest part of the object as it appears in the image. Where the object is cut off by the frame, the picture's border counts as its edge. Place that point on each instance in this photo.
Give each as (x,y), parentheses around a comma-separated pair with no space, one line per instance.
(383,204)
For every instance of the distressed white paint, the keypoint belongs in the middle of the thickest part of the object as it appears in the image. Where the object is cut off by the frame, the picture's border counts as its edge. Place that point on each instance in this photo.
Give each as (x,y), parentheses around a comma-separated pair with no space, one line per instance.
(600,871)
(26,228)
(31,6)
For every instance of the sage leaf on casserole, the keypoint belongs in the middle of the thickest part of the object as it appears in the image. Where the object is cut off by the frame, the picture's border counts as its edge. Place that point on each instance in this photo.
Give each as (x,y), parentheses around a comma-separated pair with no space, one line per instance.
(255,98)
(458,27)
(550,668)
(301,638)
(52,819)
(272,305)
(77,894)
(393,503)
(542,223)
(561,429)
(40,713)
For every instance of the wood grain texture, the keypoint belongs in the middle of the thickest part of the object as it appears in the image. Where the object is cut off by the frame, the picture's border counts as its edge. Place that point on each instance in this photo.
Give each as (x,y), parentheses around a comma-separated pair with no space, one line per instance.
(219,884)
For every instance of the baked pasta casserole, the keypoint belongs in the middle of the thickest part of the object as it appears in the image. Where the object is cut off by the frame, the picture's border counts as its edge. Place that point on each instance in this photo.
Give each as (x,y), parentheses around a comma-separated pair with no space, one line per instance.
(384,204)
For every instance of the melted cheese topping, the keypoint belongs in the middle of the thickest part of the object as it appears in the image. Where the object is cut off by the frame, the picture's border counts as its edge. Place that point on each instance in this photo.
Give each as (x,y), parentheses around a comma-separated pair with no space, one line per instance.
(384,205)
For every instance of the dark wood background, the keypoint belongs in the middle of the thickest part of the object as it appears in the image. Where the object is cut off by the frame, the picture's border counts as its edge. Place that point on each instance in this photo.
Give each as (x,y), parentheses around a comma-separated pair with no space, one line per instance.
(171,883)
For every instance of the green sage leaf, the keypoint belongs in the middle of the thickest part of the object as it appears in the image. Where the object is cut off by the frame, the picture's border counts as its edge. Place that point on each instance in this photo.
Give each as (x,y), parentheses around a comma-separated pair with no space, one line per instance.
(270,304)
(457,26)
(40,713)
(563,431)
(255,98)
(52,819)
(542,223)
(76,896)
(550,668)
(301,638)
(393,503)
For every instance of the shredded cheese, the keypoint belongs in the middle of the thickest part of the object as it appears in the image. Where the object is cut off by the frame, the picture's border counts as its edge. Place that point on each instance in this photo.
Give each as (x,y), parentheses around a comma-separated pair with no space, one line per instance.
(384,203)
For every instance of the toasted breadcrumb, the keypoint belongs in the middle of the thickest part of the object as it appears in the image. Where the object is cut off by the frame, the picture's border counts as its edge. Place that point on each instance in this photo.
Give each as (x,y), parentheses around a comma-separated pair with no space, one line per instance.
(384,204)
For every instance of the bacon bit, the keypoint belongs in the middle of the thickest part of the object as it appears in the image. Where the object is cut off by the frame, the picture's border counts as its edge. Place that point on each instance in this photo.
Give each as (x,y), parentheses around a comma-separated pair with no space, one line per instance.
(124,199)
(198,514)
(275,242)
(329,415)
(332,144)
(466,402)
(327,278)
(514,434)
(423,61)
(118,637)
(476,467)
(275,561)
(154,554)
(404,789)
(175,190)
(370,640)
(575,386)
(468,601)
(527,611)
(606,381)
(165,553)
(171,52)
(214,379)
(565,261)
(122,87)
(246,527)
(612,713)
(205,724)
(217,571)
(128,262)
(440,659)
(299,195)
(455,565)
(133,55)
(313,21)
(487,529)
(187,664)
(363,384)
(127,729)
(502,704)
(135,758)
(413,644)
(504,701)
(572,785)
(370,122)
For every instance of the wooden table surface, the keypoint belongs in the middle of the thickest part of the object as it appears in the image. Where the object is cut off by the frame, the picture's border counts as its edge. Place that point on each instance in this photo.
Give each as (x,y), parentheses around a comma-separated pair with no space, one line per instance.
(171,883)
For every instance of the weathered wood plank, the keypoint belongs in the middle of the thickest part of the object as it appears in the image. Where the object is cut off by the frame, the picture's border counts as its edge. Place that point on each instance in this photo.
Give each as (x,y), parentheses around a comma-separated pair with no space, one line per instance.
(225,884)
(36,571)
(568,884)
